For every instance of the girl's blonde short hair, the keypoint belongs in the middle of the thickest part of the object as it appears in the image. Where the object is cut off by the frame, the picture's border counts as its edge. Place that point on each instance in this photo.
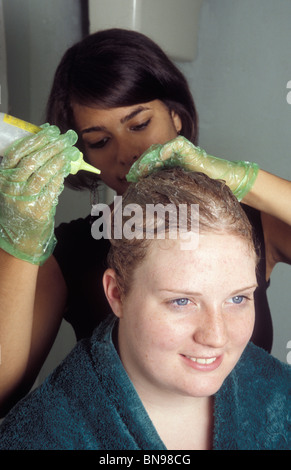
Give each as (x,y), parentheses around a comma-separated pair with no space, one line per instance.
(219,212)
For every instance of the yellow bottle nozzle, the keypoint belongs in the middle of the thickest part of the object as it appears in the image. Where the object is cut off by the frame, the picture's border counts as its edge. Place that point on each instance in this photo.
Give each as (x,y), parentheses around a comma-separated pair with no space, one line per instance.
(80,164)
(77,165)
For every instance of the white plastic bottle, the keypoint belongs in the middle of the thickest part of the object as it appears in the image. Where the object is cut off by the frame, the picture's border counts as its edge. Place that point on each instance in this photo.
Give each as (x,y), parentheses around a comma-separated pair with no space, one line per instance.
(12,128)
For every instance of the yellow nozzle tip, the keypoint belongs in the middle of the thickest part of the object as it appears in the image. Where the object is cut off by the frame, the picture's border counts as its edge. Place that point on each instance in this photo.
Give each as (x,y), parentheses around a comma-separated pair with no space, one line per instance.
(85,166)
(80,164)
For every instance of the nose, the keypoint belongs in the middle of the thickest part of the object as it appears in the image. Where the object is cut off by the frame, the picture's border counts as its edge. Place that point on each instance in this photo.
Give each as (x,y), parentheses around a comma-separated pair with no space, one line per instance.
(127,160)
(212,331)
(127,155)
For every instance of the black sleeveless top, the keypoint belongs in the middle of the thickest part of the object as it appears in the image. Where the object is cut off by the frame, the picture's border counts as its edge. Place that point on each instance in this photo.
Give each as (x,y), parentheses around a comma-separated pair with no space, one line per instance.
(82,260)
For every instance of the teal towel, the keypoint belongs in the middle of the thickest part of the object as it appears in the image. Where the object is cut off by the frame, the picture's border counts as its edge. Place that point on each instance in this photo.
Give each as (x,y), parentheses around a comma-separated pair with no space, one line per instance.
(253,407)
(89,402)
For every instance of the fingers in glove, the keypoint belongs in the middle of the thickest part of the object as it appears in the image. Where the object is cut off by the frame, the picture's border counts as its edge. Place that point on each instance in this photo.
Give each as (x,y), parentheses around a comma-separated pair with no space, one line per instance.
(37,158)
(177,145)
(31,163)
(37,181)
(60,164)
(27,145)
(182,151)
(45,206)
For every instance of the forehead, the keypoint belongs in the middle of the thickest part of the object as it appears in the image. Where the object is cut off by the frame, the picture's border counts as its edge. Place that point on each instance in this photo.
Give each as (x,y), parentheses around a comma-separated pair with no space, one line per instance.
(217,259)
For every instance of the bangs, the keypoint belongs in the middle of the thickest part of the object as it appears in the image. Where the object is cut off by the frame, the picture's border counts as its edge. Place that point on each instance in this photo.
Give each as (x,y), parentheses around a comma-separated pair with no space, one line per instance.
(123,82)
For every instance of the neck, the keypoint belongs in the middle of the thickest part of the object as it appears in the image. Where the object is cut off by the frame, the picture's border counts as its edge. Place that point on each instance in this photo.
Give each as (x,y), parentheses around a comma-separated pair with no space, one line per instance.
(184,423)
(178,404)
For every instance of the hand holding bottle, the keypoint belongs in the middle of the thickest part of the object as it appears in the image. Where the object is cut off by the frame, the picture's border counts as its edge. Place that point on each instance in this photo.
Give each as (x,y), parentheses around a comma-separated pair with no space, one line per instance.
(32,174)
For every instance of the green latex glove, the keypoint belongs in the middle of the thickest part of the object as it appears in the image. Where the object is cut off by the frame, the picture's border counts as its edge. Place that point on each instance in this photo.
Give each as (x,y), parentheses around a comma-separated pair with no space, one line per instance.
(32,173)
(239,176)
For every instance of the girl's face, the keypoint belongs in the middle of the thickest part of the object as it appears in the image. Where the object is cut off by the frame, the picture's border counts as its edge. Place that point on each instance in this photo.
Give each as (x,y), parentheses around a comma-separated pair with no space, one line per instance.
(187,317)
(114,138)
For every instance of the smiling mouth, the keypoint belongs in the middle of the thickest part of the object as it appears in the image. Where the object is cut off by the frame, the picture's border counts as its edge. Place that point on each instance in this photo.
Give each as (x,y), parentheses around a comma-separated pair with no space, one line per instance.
(202,360)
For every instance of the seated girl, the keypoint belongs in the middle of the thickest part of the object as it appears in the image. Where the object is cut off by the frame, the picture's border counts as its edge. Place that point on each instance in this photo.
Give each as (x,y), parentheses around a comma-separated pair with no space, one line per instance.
(173,367)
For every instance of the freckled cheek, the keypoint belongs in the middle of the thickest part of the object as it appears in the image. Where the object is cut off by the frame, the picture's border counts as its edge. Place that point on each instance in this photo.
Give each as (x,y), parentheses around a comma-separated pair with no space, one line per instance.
(161,338)
(242,330)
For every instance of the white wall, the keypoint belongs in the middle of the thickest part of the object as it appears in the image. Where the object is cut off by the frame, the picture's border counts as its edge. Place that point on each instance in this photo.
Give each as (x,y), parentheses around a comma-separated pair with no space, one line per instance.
(238,79)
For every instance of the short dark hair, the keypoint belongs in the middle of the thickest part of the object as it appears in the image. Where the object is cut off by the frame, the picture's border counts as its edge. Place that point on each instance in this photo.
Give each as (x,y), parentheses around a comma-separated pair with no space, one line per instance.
(116,68)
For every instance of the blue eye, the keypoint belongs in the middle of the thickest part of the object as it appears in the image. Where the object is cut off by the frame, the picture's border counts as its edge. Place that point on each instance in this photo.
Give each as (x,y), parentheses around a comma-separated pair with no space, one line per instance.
(238,299)
(181,302)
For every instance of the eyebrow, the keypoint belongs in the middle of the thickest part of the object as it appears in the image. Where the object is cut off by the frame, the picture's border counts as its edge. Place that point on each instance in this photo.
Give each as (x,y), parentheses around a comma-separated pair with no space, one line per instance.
(93,129)
(126,118)
(237,291)
(244,289)
(134,113)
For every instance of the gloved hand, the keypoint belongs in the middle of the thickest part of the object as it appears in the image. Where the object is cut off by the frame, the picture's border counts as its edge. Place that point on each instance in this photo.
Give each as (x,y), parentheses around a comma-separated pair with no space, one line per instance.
(239,176)
(32,173)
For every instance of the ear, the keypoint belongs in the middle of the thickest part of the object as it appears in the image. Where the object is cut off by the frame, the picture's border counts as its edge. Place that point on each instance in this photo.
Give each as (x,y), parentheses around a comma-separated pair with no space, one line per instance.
(176,121)
(112,292)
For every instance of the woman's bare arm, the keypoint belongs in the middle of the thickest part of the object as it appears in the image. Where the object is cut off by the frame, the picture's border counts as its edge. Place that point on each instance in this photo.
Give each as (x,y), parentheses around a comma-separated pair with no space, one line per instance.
(272,196)
(32,302)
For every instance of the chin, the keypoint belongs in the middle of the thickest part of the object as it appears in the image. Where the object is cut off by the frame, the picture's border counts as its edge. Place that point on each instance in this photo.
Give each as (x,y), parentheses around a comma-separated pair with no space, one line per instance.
(205,390)
(205,387)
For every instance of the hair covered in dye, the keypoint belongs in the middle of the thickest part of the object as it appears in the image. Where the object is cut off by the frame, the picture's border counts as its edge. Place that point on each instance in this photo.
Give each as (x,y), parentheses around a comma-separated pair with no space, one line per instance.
(219,212)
